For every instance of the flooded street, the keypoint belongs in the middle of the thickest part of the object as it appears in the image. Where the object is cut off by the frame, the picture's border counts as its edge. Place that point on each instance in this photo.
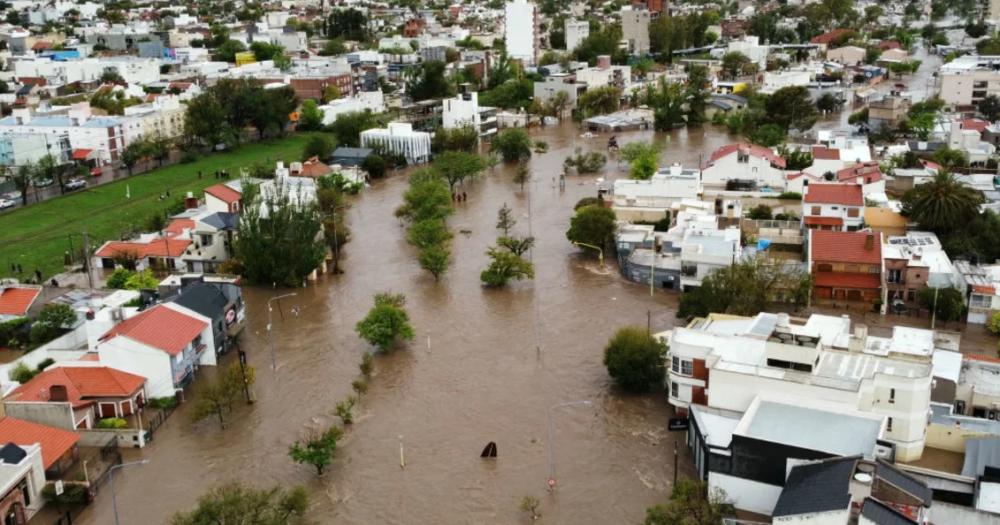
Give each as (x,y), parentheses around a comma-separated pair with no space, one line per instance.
(484,366)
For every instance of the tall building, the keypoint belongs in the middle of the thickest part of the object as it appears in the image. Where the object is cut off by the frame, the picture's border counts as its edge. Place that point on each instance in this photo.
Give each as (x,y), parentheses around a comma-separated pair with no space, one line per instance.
(576,32)
(521,31)
(635,29)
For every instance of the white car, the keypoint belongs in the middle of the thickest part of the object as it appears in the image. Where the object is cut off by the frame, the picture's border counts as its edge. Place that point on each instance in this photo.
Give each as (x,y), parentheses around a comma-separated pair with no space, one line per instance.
(76,184)
(6,204)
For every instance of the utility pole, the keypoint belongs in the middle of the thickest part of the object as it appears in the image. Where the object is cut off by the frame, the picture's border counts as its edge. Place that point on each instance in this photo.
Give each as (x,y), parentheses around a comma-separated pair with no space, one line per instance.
(243,370)
(86,259)
(934,309)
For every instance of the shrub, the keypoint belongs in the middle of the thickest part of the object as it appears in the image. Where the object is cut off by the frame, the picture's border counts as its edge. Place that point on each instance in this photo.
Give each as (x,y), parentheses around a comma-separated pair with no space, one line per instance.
(47,362)
(994,324)
(14,333)
(118,278)
(73,494)
(634,359)
(42,333)
(21,373)
(790,195)
(163,402)
(587,201)
(345,410)
(112,422)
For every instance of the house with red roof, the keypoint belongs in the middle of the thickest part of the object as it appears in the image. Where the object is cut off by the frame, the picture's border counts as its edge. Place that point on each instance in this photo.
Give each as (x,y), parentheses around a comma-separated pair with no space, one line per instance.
(835,207)
(223,198)
(165,344)
(846,267)
(745,162)
(162,249)
(60,449)
(76,397)
(832,38)
(16,300)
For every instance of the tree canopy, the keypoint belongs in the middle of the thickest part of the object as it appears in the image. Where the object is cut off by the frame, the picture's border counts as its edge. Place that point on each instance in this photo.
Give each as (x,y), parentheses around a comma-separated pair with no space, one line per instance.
(691,503)
(593,225)
(514,144)
(942,204)
(387,322)
(635,359)
(235,503)
(746,288)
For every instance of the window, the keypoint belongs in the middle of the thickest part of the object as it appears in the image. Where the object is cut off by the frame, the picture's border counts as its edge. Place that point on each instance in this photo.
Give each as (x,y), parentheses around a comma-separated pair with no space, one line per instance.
(892,395)
(852,212)
(888,425)
(894,276)
(823,267)
(687,367)
(817,210)
(674,390)
(206,240)
(674,364)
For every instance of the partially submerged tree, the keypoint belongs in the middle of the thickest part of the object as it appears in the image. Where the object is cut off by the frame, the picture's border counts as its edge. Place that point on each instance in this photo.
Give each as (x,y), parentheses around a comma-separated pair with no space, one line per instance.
(387,322)
(746,288)
(458,166)
(592,224)
(691,503)
(316,450)
(634,359)
(514,144)
(235,503)
(504,266)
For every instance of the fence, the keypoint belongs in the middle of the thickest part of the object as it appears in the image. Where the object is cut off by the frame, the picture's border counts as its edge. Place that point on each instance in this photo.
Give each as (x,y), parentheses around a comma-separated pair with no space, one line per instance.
(157,420)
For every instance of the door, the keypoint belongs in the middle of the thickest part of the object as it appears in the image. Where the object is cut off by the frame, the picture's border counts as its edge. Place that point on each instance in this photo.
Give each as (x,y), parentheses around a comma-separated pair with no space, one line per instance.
(107,410)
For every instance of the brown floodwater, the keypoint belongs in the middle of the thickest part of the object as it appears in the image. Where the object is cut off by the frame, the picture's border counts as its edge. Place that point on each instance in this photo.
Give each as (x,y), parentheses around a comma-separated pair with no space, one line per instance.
(484,366)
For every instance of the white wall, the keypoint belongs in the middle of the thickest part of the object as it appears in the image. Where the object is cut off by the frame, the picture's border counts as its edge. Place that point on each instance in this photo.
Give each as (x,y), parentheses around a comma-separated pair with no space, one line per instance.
(756,168)
(837,517)
(519,30)
(746,494)
(153,364)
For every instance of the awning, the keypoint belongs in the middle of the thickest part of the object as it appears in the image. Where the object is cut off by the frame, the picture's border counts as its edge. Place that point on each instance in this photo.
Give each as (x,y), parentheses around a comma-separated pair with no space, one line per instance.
(81,154)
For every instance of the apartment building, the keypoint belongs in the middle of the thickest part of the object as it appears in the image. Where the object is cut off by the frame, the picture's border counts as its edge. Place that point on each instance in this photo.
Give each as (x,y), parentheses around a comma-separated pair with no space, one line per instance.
(968,79)
(635,29)
(464,110)
(576,31)
(846,267)
(724,362)
(915,261)
(102,135)
(521,31)
(749,163)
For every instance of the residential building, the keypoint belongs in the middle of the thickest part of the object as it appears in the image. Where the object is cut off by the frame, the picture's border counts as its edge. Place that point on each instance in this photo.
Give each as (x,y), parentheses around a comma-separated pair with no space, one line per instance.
(464,110)
(373,101)
(915,261)
(164,249)
(849,56)
(968,79)
(553,84)
(102,135)
(163,117)
(400,138)
(977,392)
(223,198)
(216,299)
(211,233)
(522,31)
(59,447)
(28,148)
(57,72)
(748,455)
(635,29)
(22,478)
(165,344)
(835,207)
(842,491)
(750,47)
(76,397)
(838,153)
(16,300)
(754,165)
(604,74)
(724,362)
(775,80)
(576,32)
(650,200)
(846,267)
(831,38)
(867,175)
(980,283)
(889,111)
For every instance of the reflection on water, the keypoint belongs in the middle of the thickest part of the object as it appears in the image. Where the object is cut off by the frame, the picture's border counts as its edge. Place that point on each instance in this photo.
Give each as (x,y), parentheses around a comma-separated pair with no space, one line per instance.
(482,368)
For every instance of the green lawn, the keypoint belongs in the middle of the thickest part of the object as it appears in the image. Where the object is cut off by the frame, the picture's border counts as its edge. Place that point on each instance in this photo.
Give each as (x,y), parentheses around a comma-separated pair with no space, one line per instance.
(37,236)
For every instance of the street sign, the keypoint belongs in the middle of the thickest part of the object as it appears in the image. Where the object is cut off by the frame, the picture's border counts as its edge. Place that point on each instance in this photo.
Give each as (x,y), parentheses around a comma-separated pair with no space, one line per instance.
(59,487)
(552,483)
(677,423)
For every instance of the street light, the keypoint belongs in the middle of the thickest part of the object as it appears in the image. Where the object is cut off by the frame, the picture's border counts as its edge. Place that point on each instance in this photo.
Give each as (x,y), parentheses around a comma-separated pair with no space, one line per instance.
(270,338)
(336,240)
(114,499)
(600,251)
(552,453)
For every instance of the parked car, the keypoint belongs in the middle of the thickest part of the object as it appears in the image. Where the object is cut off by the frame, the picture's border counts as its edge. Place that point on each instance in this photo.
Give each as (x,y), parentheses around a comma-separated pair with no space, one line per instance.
(6,204)
(76,184)
(42,183)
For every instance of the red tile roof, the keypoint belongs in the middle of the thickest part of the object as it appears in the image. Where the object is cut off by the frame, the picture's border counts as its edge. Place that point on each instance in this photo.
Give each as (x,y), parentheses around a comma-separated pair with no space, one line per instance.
(55,442)
(17,300)
(843,194)
(981,357)
(224,193)
(814,220)
(984,289)
(825,153)
(830,36)
(160,327)
(889,44)
(160,247)
(846,247)
(868,170)
(975,124)
(868,281)
(750,149)
(81,153)
(81,382)
(176,226)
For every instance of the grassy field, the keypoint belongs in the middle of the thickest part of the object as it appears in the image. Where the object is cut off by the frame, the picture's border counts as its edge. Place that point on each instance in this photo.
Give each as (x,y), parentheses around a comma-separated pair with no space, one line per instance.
(37,236)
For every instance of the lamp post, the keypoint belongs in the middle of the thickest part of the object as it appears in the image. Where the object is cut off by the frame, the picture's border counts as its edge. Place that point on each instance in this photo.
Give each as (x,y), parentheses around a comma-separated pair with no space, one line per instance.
(114,499)
(600,251)
(552,453)
(336,238)
(270,338)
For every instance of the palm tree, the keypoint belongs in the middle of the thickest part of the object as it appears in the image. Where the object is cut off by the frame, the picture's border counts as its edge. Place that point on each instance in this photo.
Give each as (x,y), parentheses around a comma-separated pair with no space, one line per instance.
(942,204)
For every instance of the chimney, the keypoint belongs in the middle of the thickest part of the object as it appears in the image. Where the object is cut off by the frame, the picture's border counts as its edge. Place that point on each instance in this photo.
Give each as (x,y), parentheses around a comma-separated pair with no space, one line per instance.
(58,393)
(604,62)
(190,202)
(869,242)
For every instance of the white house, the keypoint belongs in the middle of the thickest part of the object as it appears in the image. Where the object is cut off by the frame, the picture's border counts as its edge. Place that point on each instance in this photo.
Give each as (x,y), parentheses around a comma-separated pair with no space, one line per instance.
(165,344)
(521,30)
(373,101)
(22,478)
(751,48)
(775,80)
(401,139)
(464,110)
(837,207)
(745,162)
(649,200)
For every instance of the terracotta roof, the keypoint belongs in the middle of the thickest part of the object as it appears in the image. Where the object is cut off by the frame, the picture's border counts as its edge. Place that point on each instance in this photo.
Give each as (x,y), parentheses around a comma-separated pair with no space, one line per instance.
(830,36)
(160,327)
(224,193)
(867,281)
(81,382)
(313,168)
(814,220)
(889,44)
(868,170)
(160,247)
(16,300)
(54,441)
(751,149)
(981,357)
(975,124)
(846,247)
(985,289)
(176,226)
(843,194)
(825,153)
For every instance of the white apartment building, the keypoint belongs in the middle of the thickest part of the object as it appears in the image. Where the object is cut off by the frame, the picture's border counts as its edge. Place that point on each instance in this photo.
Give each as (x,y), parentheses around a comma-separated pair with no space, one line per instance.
(401,139)
(464,110)
(373,101)
(163,117)
(576,31)
(649,200)
(521,31)
(102,135)
(606,74)
(751,48)
(725,362)
(970,78)
(133,70)
(775,80)
(635,29)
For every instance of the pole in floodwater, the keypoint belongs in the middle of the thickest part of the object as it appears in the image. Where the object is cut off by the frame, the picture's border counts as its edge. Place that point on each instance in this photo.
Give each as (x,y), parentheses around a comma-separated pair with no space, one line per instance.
(402,457)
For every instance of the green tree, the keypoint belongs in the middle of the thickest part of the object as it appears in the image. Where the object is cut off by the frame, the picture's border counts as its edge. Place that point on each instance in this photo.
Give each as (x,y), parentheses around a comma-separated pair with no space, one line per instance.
(265,51)
(348,127)
(374,165)
(942,204)
(592,225)
(948,304)
(278,239)
(599,101)
(769,135)
(989,107)
(827,102)
(643,158)
(310,116)
(227,51)
(144,280)
(465,138)
(317,450)
(691,503)
(792,107)
(516,245)
(635,359)
(604,41)
(514,144)
(214,399)
(428,81)
(386,323)
(22,177)
(994,324)
(333,47)
(530,505)
(57,316)
(331,203)
(235,503)
(746,288)
(435,259)
(504,266)
(458,166)
(49,168)
(427,198)
(736,64)
(348,24)
(428,232)
(320,146)
(761,212)
(205,123)
(951,158)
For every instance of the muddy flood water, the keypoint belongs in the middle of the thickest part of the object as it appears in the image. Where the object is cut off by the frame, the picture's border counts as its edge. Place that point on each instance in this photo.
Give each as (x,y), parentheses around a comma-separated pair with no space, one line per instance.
(484,366)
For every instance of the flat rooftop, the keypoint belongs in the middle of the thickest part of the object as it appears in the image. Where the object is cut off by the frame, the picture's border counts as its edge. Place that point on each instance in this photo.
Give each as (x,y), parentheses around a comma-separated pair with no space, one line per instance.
(835,431)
